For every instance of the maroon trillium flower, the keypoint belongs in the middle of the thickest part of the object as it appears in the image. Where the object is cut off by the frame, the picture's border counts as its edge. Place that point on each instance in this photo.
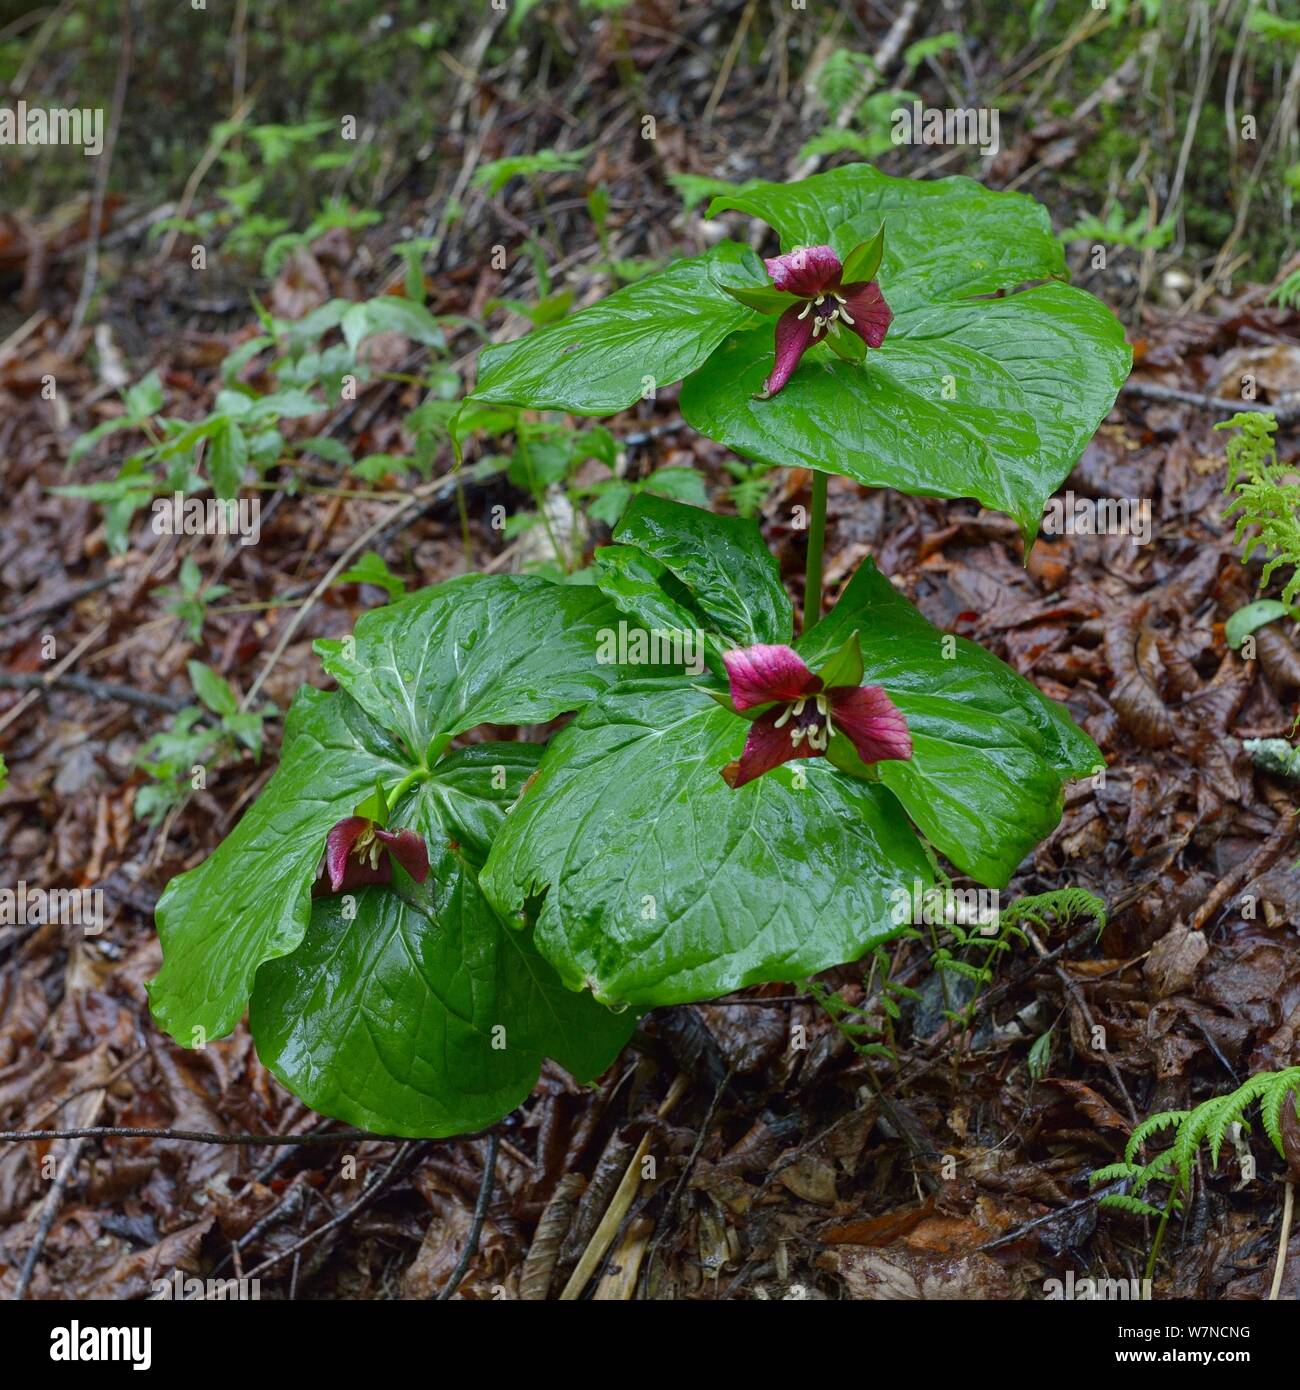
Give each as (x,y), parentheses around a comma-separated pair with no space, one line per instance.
(359,852)
(824,305)
(810,717)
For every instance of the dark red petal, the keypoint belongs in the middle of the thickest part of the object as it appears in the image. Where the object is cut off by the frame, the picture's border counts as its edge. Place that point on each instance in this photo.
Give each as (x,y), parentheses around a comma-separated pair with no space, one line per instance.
(338,846)
(764,673)
(870,314)
(872,721)
(347,870)
(765,748)
(408,848)
(794,337)
(808,270)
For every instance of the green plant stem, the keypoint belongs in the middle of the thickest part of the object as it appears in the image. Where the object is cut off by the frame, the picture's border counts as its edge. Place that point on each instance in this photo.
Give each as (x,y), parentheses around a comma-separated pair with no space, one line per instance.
(416,774)
(812,593)
(1150,1272)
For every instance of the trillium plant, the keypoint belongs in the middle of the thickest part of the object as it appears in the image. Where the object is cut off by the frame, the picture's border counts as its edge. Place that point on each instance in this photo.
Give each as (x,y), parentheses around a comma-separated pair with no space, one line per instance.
(416,916)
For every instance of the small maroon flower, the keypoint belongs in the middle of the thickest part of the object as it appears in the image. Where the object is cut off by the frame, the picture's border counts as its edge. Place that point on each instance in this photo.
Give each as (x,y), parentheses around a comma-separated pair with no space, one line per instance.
(824,304)
(359,852)
(810,717)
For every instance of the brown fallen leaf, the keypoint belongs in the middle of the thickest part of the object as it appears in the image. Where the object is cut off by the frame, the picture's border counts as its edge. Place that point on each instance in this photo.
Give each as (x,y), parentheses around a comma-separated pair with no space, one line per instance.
(1097,1108)
(1174,960)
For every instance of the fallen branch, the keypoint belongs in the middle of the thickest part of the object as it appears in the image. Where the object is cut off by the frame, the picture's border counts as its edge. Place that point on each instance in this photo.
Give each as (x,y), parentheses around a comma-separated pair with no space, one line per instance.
(193,1136)
(480,1216)
(1173,395)
(88,685)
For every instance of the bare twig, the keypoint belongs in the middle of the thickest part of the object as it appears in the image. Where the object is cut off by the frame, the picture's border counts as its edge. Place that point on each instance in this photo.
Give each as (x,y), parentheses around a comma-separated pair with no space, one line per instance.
(1288,1204)
(90,273)
(194,1136)
(480,1216)
(88,685)
(392,1171)
(53,1200)
(1173,395)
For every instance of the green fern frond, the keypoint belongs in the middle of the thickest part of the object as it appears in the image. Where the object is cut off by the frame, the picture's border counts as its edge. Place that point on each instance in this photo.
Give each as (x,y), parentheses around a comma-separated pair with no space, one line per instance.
(1153,1124)
(1266,502)
(1281,1085)
(1113,1172)
(1067,905)
(1134,1205)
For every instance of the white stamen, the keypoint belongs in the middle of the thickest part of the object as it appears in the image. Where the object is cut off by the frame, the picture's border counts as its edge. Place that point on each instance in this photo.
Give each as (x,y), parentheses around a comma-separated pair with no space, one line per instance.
(804,312)
(844,314)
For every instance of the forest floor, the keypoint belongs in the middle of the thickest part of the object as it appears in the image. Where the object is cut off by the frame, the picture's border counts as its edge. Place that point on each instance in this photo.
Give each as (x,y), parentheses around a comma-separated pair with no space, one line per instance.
(781,1171)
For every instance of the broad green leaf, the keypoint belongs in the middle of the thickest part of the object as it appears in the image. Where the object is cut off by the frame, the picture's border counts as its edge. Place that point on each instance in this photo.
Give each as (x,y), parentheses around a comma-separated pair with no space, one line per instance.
(423,1013)
(664,885)
(494,649)
(648,592)
(992,398)
(641,338)
(734,578)
(990,751)
(945,238)
(248,901)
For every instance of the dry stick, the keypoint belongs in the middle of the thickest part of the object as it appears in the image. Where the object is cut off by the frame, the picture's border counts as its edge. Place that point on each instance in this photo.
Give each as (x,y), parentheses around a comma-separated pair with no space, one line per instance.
(91,271)
(373,1190)
(1077,995)
(1151,391)
(724,74)
(480,1216)
(48,1212)
(61,604)
(1249,868)
(1290,96)
(1194,115)
(883,59)
(215,146)
(1280,1268)
(675,1195)
(32,696)
(55,1200)
(194,1136)
(51,20)
(88,685)
(427,493)
(620,1202)
(22,333)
